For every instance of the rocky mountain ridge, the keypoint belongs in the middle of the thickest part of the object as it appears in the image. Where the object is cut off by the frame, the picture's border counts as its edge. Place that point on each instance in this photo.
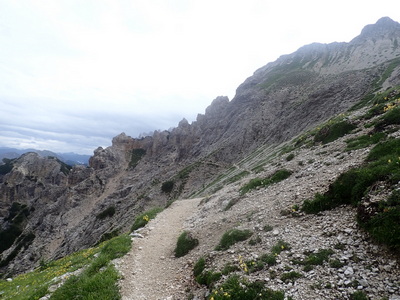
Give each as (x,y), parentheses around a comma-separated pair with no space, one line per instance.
(68,158)
(61,210)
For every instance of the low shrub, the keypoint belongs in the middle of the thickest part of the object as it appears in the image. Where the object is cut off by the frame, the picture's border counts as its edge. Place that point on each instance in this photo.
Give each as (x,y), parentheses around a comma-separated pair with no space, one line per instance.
(145,217)
(167,186)
(231,237)
(185,243)
(108,212)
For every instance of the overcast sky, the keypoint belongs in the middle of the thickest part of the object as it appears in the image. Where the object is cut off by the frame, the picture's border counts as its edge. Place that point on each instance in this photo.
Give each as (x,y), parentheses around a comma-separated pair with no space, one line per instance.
(74,74)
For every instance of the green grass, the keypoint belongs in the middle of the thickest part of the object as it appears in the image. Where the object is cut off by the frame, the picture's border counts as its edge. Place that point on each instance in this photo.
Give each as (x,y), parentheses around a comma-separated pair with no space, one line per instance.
(232,237)
(333,131)
(391,117)
(99,280)
(185,243)
(364,141)
(35,284)
(314,259)
(145,217)
(264,182)
(237,288)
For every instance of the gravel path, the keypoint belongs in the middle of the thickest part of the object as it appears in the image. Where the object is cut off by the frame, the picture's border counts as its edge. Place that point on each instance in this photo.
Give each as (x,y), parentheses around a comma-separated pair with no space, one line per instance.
(150,270)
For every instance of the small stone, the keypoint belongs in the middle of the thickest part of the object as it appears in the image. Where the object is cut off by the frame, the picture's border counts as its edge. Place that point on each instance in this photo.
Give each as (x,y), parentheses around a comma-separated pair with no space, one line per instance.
(349,271)
(9,279)
(275,232)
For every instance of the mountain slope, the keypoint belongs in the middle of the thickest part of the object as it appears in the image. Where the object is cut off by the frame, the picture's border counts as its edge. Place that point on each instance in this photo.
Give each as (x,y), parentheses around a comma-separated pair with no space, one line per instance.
(58,211)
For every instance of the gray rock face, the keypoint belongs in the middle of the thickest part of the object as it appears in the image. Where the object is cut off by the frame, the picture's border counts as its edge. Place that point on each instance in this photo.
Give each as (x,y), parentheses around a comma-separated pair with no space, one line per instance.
(280,100)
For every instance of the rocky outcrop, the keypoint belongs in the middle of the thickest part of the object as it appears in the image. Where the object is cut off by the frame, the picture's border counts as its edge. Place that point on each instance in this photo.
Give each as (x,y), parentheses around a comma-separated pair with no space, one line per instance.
(61,206)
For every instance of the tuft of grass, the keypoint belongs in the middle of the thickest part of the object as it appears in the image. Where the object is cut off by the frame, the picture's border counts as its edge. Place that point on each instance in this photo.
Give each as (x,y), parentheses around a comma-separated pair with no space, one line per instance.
(199,266)
(290,157)
(279,247)
(268,228)
(145,217)
(232,237)
(335,263)
(319,257)
(264,182)
(208,278)
(268,259)
(185,243)
(290,276)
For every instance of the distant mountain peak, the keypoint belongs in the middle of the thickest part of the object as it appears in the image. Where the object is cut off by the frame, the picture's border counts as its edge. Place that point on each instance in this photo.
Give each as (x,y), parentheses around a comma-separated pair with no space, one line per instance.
(383,26)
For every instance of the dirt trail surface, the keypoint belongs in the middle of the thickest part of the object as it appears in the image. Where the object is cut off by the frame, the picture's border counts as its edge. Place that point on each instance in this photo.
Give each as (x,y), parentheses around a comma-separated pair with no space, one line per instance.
(150,270)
